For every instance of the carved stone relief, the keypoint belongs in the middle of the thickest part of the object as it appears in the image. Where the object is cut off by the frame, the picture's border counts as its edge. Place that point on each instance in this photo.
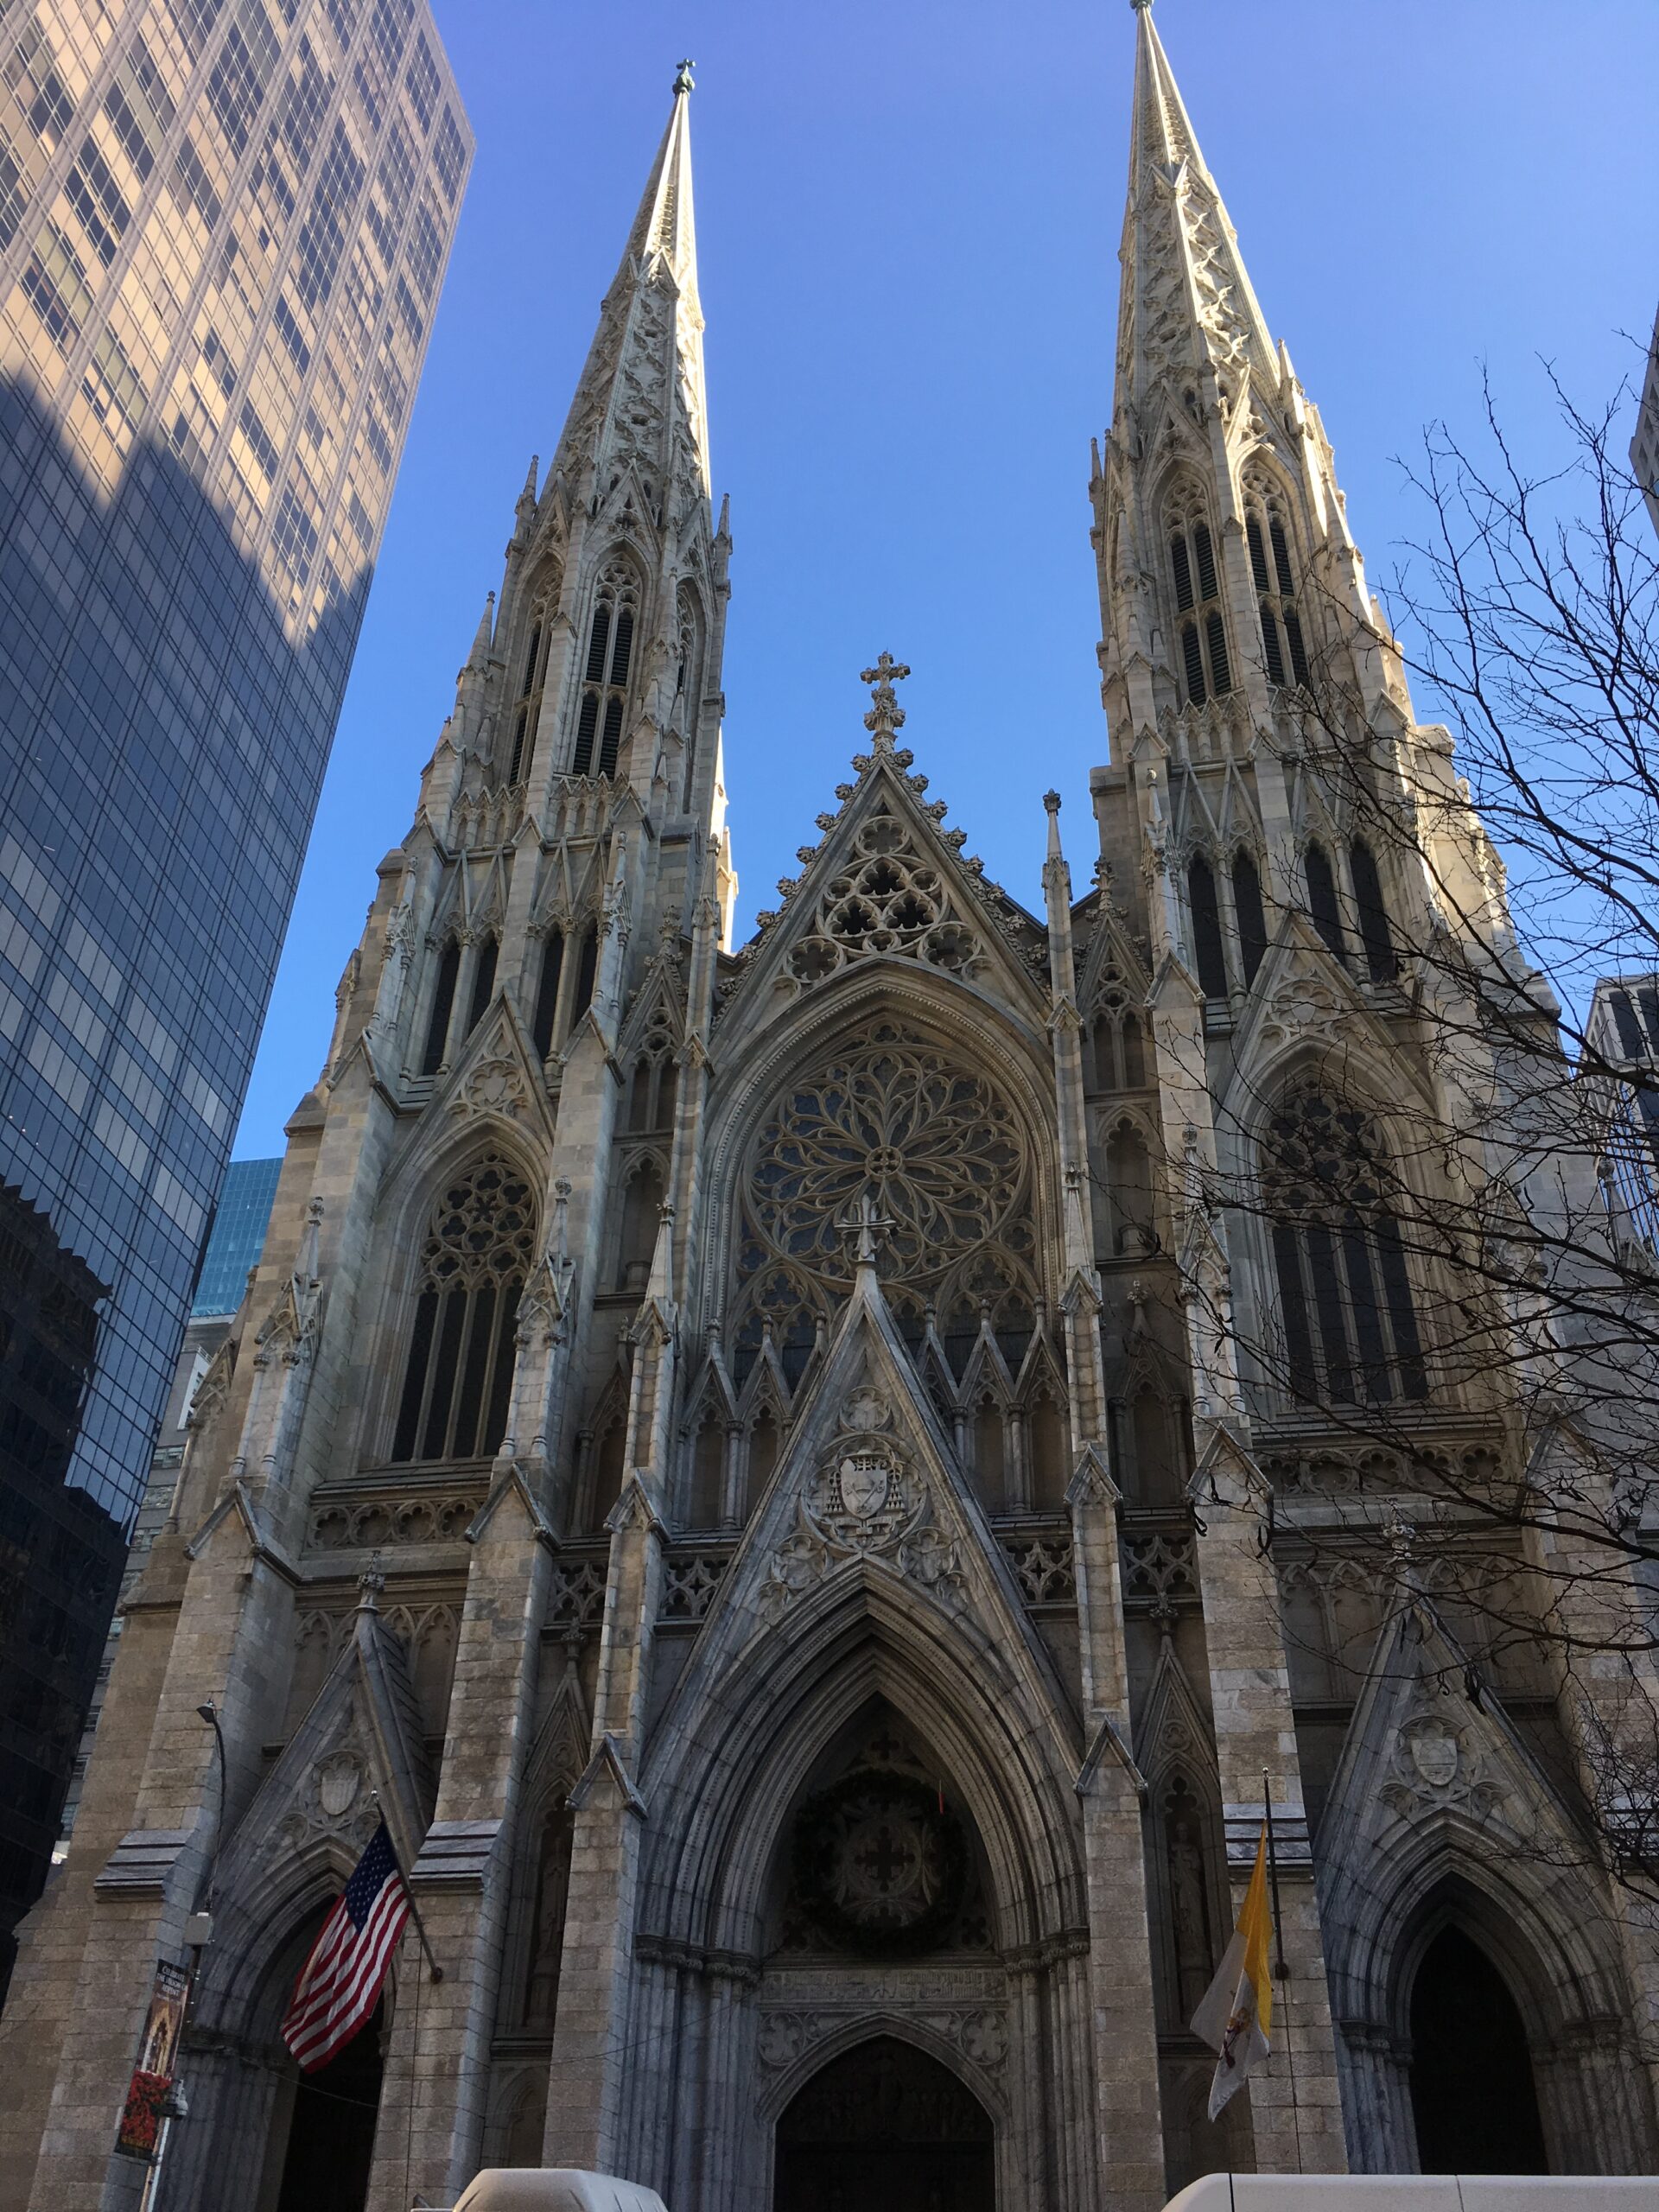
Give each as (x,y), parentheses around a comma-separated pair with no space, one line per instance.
(1435,1763)
(861,1500)
(979,2031)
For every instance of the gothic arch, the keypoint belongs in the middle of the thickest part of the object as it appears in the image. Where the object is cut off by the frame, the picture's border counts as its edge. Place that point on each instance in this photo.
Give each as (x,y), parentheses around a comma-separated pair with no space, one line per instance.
(865,2028)
(631,1234)
(1356,1079)
(440,1151)
(764,1719)
(240,2078)
(1555,1950)
(539,1887)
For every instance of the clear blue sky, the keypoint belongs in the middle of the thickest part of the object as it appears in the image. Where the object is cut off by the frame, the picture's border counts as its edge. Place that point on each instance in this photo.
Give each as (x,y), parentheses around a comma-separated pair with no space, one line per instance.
(908,216)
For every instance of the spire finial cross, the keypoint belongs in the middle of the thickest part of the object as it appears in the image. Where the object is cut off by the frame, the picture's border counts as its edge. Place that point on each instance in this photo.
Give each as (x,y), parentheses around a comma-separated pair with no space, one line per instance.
(684,82)
(886,715)
(865,1221)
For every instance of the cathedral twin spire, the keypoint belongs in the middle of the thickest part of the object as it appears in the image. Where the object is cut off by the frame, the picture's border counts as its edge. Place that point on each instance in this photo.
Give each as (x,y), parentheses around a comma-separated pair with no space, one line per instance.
(641,401)
(1200,385)
(1186,300)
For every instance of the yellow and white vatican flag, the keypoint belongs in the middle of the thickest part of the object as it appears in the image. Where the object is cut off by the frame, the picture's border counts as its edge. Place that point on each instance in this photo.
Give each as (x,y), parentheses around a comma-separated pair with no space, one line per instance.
(1235,2016)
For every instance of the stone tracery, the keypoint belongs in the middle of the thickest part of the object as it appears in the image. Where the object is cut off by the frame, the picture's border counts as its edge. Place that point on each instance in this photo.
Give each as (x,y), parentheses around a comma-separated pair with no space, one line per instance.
(888,899)
(940,1149)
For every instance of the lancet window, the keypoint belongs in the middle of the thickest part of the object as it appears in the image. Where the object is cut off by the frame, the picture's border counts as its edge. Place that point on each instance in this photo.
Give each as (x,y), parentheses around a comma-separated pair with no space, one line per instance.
(1375,936)
(1196,581)
(443,1005)
(548,979)
(1324,910)
(1250,914)
(533,675)
(489,952)
(1218,955)
(1208,949)
(605,672)
(687,682)
(1118,1037)
(1345,1294)
(586,971)
(654,1079)
(1284,648)
(642,1206)
(474,1262)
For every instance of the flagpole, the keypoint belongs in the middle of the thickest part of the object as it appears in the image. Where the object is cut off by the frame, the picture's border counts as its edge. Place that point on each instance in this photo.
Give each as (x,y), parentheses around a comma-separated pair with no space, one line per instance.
(409,1895)
(1281,1972)
(1280,1969)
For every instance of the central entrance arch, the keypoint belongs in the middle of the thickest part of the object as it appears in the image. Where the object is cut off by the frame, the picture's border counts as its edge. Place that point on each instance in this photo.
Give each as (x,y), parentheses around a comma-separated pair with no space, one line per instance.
(885,2128)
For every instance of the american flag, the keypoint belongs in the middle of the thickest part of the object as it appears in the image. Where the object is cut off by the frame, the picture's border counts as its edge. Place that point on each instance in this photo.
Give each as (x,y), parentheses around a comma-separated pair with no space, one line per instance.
(340,1981)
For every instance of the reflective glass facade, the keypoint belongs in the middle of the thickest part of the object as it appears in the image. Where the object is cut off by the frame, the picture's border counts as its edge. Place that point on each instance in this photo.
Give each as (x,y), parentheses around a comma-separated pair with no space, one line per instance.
(224,224)
(239,1225)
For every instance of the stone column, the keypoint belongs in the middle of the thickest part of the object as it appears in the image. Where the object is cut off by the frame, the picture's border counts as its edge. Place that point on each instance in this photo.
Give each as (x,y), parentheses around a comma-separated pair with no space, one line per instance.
(430,2139)
(584,2100)
(1295,2106)
(1130,2149)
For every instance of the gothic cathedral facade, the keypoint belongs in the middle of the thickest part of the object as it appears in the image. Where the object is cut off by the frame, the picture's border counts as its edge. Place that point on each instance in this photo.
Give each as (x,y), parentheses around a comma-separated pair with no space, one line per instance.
(742,1457)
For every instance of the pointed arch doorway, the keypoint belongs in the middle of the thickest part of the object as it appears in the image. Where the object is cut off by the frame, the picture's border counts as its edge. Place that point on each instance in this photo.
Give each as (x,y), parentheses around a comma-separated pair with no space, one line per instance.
(885,2128)
(330,2145)
(1474,2100)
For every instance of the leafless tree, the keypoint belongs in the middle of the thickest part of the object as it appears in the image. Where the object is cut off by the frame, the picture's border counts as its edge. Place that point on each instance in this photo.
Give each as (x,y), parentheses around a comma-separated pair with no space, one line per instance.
(1491,1246)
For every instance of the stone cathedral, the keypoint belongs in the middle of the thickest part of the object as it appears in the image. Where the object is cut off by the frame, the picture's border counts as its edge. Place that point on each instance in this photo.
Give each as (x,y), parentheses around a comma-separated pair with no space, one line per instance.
(733,1454)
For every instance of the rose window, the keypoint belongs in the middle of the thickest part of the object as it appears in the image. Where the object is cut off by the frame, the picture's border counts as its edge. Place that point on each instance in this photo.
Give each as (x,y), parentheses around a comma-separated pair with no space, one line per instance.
(938,1149)
(887,898)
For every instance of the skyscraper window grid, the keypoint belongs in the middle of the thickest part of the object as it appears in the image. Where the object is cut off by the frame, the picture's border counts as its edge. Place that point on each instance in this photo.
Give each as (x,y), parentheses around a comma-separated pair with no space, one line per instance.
(223,226)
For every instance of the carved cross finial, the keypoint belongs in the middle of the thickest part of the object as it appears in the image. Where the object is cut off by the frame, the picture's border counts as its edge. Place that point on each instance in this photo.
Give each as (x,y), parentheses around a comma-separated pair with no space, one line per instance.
(867,1222)
(886,715)
(371,1582)
(684,82)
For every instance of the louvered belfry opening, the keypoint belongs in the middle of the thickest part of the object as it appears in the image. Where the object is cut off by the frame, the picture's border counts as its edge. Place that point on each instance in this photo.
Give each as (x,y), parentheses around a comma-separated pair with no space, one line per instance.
(605,673)
(1196,581)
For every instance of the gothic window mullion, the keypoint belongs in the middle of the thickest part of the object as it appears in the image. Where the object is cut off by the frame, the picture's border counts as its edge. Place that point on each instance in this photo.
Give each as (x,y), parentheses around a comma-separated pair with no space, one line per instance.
(446,1361)
(458,1371)
(1330,1310)
(1346,1304)
(446,976)
(544,1029)
(1366,1310)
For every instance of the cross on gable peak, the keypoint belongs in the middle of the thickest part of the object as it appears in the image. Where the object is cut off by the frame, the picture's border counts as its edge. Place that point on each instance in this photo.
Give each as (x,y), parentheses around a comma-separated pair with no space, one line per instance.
(886,669)
(865,1222)
(886,715)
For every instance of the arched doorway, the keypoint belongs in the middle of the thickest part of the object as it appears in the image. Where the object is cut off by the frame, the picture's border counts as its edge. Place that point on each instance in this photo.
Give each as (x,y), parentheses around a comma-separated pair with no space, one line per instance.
(331,2132)
(885,2128)
(1472,2093)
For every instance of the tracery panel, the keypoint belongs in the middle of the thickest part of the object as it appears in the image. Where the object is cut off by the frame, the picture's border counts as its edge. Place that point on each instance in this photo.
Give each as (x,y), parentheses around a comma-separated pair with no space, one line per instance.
(477,1252)
(1346,1302)
(939,1148)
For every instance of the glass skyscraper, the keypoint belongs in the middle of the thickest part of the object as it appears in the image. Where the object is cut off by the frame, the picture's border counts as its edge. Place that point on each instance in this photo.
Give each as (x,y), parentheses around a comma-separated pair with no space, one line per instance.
(224,224)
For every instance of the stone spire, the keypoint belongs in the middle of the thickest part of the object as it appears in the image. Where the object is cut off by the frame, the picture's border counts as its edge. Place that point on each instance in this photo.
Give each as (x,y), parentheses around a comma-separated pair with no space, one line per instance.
(641,401)
(1210,427)
(1187,304)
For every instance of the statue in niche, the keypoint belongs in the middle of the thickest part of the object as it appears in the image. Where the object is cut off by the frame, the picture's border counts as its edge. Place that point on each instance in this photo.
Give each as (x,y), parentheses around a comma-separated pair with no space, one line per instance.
(1189,1897)
(547,1927)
